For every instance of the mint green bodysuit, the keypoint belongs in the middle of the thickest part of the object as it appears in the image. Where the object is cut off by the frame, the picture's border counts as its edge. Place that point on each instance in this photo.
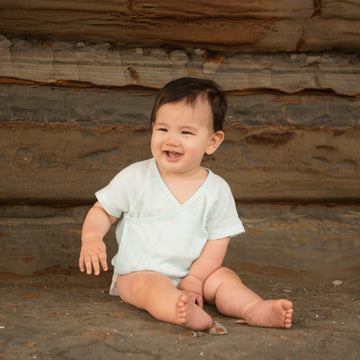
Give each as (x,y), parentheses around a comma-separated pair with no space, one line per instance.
(155,231)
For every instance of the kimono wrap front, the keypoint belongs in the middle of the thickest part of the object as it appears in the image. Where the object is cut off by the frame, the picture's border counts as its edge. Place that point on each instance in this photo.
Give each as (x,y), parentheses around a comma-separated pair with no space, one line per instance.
(155,231)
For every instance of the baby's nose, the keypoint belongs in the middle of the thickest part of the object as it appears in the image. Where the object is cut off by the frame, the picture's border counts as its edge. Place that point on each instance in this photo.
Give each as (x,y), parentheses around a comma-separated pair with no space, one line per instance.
(172,139)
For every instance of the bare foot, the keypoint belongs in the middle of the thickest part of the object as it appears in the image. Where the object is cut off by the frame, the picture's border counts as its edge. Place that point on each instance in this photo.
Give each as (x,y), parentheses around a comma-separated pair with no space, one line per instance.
(191,315)
(270,313)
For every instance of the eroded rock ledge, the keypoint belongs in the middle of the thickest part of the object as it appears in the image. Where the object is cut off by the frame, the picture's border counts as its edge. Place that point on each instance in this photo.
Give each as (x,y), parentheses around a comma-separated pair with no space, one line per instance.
(270,26)
(109,64)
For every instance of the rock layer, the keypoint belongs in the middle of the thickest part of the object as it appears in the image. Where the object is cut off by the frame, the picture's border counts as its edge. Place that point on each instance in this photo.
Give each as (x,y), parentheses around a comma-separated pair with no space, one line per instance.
(105,64)
(285,25)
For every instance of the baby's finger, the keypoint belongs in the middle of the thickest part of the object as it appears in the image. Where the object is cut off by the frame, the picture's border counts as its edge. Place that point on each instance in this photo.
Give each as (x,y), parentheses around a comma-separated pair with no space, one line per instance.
(192,296)
(81,263)
(200,301)
(96,265)
(103,262)
(88,265)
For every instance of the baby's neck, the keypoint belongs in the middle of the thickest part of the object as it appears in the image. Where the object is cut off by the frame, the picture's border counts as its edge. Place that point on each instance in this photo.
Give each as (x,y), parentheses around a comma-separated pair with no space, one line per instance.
(183,187)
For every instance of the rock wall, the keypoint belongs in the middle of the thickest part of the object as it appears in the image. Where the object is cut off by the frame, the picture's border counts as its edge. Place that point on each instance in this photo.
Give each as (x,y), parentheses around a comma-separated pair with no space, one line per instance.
(77,82)
(292,131)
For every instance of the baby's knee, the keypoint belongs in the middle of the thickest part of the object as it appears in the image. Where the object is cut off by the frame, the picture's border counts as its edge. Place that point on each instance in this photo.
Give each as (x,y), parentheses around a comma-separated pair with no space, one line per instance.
(226,273)
(219,278)
(130,286)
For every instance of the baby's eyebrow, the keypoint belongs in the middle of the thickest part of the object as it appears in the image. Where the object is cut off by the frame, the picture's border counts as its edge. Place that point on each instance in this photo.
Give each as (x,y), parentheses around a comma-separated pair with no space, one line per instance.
(184,127)
(189,128)
(160,124)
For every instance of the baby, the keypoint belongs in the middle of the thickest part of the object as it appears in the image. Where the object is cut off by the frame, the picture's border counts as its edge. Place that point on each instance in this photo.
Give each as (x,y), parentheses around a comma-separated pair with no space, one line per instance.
(176,220)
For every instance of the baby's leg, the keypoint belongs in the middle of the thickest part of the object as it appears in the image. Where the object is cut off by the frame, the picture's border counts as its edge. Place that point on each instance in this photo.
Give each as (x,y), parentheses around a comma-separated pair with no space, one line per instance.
(232,298)
(157,294)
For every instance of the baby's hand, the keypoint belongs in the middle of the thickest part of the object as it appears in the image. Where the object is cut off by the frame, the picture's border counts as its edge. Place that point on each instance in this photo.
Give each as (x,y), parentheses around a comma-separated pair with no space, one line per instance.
(92,254)
(193,286)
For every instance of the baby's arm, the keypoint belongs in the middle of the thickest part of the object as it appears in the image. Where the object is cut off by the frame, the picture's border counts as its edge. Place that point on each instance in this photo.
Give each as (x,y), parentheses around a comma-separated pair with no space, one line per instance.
(93,249)
(210,259)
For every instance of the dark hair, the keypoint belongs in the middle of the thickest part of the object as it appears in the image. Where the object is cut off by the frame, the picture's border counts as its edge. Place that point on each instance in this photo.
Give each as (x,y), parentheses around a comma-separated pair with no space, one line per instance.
(189,90)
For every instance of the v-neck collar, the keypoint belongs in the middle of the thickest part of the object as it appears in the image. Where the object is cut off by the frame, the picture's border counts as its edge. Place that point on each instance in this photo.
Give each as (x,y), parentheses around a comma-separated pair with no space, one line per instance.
(192,198)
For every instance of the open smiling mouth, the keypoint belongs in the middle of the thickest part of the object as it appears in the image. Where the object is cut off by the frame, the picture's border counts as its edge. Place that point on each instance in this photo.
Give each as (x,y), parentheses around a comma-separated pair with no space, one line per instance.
(173,155)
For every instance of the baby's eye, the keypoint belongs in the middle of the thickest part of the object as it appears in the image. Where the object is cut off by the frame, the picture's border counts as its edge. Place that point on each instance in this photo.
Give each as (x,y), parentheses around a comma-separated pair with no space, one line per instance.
(162,129)
(186,132)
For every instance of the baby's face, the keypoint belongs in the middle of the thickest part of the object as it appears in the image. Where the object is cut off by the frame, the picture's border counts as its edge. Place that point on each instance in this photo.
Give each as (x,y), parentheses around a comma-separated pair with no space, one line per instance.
(182,134)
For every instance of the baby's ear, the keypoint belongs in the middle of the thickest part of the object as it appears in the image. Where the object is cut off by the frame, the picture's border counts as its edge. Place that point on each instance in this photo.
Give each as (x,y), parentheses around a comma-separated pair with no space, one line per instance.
(215,142)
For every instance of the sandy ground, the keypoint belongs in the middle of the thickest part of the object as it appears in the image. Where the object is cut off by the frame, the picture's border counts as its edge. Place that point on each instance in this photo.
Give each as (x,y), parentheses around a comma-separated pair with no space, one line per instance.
(68,316)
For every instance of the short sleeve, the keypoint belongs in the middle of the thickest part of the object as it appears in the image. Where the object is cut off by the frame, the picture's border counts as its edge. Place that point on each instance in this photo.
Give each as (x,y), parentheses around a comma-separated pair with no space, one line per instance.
(115,196)
(223,219)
